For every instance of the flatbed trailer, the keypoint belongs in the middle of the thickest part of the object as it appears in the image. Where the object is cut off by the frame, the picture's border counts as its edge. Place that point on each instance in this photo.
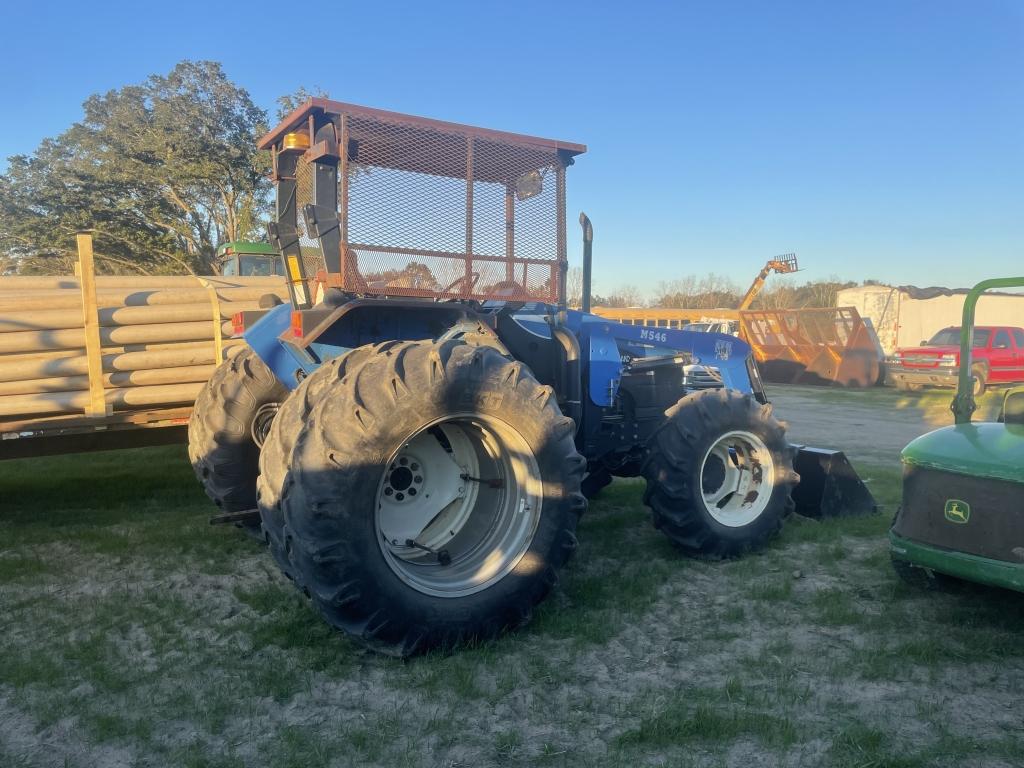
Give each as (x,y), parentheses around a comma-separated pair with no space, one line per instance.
(29,438)
(92,363)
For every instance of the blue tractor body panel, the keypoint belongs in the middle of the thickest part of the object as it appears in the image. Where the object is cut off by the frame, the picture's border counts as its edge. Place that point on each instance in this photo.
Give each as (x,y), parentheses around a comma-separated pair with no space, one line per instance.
(264,337)
(605,347)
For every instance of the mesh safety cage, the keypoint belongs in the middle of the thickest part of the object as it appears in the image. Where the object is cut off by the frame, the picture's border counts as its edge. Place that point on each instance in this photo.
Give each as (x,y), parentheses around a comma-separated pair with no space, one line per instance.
(435,209)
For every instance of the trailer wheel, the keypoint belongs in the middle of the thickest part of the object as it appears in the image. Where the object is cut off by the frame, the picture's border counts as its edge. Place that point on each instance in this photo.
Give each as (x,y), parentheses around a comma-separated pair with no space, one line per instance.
(276,456)
(230,420)
(433,496)
(719,474)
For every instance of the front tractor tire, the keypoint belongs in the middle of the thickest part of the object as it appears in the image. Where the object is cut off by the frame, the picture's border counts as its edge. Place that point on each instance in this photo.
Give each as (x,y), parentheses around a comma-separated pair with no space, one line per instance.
(230,419)
(719,474)
(429,496)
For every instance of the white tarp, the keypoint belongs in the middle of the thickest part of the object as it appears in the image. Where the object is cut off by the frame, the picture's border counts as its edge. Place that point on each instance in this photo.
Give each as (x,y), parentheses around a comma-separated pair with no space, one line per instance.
(903,321)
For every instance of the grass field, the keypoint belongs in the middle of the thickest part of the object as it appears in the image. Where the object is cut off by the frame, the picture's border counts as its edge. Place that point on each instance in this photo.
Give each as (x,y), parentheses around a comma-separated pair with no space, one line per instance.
(134,634)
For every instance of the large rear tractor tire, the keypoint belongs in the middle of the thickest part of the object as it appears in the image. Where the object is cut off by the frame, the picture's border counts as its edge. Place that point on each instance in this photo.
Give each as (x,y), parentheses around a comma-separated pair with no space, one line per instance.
(276,457)
(230,419)
(432,495)
(719,474)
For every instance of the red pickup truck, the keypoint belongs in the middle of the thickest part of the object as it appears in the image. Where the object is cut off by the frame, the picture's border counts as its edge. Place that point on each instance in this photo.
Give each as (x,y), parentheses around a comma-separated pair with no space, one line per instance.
(997,357)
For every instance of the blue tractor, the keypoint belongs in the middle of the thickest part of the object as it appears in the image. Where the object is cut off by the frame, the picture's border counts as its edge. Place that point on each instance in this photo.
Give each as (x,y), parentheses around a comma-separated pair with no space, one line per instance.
(415,434)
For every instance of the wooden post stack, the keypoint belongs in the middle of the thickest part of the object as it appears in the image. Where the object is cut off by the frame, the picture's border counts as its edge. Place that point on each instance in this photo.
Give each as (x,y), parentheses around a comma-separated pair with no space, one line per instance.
(93,346)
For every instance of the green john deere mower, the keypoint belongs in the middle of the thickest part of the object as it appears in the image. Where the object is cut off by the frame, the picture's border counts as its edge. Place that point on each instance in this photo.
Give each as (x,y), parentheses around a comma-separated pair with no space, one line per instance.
(962,514)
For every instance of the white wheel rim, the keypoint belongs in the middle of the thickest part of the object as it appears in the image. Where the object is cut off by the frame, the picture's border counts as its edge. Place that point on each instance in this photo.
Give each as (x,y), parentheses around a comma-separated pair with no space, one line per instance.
(467,489)
(737,477)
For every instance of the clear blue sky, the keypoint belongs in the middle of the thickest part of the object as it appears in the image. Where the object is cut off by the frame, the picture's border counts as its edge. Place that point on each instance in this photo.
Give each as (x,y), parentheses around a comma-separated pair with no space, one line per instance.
(877,139)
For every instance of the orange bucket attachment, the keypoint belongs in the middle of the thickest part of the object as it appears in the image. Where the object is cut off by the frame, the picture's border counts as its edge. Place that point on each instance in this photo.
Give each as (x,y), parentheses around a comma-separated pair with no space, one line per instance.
(828,346)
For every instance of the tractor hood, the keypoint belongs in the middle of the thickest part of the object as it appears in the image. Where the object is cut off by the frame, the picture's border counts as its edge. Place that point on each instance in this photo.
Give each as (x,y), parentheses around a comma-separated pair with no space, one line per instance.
(985,450)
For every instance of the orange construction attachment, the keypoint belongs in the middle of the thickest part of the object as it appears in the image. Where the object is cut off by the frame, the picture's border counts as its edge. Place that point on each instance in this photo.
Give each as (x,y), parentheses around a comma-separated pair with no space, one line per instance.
(780,265)
(813,346)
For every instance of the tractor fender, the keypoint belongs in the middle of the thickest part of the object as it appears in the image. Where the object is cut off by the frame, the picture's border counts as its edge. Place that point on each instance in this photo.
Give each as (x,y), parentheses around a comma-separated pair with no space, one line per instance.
(294,343)
(264,338)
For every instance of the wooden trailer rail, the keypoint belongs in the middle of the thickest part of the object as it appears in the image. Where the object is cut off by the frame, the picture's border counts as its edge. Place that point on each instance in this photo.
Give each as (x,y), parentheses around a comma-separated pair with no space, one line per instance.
(57,435)
(92,363)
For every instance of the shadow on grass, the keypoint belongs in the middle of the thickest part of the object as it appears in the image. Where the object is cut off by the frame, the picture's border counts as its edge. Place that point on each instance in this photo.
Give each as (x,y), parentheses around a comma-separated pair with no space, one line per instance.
(930,400)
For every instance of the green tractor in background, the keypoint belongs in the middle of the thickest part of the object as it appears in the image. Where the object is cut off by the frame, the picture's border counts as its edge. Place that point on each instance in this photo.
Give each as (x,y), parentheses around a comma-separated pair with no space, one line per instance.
(242,259)
(962,514)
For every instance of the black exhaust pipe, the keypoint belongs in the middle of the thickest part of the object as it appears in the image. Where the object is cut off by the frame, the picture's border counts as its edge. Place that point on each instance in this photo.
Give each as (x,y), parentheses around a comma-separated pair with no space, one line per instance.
(588,256)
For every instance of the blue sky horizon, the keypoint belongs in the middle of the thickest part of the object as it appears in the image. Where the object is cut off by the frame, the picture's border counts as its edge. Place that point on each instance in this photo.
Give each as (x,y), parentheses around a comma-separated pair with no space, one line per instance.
(877,140)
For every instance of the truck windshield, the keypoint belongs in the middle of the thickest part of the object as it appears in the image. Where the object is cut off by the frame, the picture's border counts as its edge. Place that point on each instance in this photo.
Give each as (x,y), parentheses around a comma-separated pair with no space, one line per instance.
(950,337)
(260,266)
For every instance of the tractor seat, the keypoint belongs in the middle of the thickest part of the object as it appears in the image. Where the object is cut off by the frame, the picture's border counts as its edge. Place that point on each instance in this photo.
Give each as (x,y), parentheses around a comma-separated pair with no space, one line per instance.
(354,280)
(1013,407)
(509,289)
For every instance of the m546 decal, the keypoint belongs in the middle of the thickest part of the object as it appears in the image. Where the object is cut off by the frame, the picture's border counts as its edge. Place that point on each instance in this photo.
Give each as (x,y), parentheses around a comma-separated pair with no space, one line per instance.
(653,335)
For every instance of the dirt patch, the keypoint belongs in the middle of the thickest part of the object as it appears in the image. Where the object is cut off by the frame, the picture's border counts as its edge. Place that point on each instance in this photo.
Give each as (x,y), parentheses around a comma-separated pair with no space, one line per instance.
(60,744)
(871,425)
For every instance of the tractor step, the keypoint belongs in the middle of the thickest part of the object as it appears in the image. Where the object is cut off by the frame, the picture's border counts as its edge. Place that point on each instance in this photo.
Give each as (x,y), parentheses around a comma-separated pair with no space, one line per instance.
(228,518)
(829,485)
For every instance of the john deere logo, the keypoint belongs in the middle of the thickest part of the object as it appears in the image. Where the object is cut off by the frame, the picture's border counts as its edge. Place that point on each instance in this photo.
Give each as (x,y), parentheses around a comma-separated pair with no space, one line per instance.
(958,511)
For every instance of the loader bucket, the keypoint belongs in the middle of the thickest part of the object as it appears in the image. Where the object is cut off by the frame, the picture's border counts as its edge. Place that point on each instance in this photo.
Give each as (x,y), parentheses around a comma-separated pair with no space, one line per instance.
(829,346)
(829,485)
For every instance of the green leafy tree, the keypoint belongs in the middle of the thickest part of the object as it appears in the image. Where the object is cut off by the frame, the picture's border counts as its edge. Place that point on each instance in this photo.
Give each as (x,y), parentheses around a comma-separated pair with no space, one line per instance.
(291,101)
(163,172)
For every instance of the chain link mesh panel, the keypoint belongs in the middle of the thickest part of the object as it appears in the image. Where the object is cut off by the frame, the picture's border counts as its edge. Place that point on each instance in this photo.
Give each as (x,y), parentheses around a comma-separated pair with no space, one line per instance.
(441,213)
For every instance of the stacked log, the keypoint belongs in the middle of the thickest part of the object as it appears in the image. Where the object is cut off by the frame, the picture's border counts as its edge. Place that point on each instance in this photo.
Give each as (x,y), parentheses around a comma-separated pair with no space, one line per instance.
(158,337)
